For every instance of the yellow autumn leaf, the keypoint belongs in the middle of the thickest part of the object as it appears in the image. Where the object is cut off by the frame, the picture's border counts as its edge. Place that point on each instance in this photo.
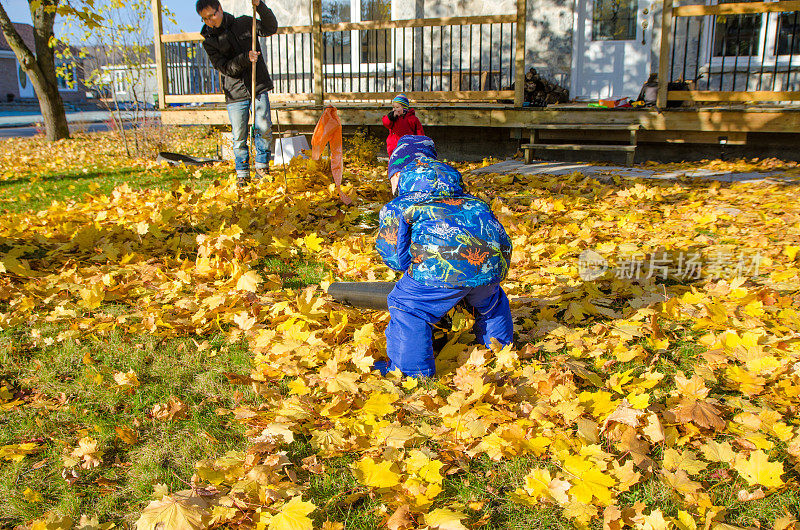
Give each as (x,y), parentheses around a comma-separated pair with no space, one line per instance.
(379,404)
(88,453)
(313,242)
(757,469)
(445,519)
(293,516)
(375,475)
(182,510)
(248,282)
(31,496)
(127,435)
(593,483)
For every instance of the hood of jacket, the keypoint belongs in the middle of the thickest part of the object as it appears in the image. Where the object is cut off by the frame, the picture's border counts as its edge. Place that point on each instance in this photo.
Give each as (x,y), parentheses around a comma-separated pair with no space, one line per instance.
(430,177)
(409,148)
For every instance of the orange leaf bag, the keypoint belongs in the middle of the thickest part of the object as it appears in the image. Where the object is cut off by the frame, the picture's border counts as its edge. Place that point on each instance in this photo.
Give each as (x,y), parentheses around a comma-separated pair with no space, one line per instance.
(329,131)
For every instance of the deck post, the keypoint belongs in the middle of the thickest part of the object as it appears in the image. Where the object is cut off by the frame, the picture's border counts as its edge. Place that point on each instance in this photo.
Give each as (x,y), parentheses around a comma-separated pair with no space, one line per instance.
(161,67)
(519,57)
(316,32)
(663,57)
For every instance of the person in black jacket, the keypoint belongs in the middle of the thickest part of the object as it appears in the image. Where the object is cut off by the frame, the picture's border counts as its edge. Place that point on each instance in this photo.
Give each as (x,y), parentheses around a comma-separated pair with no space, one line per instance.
(227,41)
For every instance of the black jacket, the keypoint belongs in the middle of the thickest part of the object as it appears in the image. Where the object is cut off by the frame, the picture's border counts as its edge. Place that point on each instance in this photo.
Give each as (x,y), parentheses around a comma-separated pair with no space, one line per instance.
(227,47)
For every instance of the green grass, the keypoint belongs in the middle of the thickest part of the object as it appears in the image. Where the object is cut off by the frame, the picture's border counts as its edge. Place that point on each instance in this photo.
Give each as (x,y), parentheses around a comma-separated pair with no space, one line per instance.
(38,193)
(296,273)
(68,399)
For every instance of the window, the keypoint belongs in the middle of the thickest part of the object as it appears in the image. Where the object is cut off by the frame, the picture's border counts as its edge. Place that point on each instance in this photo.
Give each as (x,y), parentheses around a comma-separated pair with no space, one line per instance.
(375,43)
(120,84)
(374,46)
(737,35)
(788,39)
(337,44)
(614,19)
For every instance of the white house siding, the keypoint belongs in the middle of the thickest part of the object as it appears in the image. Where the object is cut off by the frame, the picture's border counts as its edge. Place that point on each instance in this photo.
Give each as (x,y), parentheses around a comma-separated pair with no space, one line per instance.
(548,46)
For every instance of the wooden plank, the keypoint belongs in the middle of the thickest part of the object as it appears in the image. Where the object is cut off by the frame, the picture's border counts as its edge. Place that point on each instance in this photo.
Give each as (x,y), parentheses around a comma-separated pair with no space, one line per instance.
(584,126)
(160,55)
(182,37)
(712,95)
(686,123)
(579,147)
(739,8)
(196,36)
(194,98)
(664,57)
(316,22)
(419,23)
(220,98)
(519,57)
(423,96)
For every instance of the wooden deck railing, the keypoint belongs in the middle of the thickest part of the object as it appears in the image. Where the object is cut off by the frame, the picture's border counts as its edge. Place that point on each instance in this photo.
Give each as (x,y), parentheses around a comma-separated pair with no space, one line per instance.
(434,59)
(743,52)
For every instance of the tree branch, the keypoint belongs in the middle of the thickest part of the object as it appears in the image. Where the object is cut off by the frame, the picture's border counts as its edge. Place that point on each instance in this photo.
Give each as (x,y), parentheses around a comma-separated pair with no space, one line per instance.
(24,54)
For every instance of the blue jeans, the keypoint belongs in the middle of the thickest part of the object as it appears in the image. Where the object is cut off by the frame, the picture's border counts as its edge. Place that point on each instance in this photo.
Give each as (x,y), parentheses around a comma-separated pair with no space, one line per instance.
(239,114)
(415,307)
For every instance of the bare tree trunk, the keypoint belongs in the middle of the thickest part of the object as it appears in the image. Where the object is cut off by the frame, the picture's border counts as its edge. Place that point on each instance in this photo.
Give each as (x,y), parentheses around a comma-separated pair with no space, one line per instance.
(40,67)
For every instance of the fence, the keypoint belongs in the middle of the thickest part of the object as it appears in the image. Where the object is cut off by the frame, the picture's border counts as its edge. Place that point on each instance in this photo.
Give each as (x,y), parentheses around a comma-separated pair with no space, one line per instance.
(743,52)
(435,59)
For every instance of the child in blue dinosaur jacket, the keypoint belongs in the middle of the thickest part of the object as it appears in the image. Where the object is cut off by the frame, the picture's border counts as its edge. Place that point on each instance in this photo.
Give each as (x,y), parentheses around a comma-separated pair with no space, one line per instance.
(450,246)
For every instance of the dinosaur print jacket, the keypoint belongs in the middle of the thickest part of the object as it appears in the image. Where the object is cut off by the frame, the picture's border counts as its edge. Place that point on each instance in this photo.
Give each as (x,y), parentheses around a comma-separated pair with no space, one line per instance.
(438,234)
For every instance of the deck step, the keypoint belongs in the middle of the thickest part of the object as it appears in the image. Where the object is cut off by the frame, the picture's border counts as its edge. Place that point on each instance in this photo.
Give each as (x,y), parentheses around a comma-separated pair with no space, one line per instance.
(586,127)
(580,147)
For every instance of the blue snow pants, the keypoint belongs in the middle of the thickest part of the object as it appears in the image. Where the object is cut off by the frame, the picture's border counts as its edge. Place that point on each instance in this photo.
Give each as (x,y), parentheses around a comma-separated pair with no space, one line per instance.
(415,307)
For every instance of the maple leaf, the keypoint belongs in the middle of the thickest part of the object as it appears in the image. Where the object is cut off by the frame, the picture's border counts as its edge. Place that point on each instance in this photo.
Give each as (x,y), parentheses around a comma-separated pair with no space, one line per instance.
(31,496)
(445,519)
(654,521)
(759,470)
(401,519)
(312,242)
(248,282)
(624,413)
(126,380)
(718,452)
(279,432)
(88,453)
(686,460)
(293,516)
(180,510)
(375,475)
(593,483)
(379,404)
(52,521)
(17,452)
(172,410)
(680,482)
(700,413)
(127,435)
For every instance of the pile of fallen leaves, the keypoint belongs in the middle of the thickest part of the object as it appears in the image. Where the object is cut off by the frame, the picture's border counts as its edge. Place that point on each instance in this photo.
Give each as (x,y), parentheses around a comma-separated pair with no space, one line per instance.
(595,386)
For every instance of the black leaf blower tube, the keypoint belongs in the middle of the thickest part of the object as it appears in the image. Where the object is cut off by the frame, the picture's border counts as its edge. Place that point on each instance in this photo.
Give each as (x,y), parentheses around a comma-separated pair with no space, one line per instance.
(364,295)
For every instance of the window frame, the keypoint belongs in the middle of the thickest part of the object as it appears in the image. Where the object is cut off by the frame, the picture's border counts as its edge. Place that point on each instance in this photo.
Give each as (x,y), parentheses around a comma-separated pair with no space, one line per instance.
(355,65)
(765,54)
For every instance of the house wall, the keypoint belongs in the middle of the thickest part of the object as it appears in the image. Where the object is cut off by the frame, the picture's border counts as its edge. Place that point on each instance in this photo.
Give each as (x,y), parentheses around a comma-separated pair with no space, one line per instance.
(548,37)
(9,84)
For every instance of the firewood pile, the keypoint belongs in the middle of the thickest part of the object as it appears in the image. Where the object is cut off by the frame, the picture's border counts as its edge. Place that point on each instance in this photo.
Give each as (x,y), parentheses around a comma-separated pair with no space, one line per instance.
(539,92)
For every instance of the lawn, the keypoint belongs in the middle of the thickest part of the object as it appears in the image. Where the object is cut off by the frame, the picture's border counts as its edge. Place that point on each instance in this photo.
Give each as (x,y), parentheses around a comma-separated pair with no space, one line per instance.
(168,354)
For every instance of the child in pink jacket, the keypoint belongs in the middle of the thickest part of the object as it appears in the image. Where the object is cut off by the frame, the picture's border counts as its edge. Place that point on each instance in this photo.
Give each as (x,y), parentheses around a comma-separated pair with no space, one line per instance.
(400,121)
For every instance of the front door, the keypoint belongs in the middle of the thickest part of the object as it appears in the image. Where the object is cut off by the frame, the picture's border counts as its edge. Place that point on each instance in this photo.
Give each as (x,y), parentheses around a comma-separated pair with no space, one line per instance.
(611,48)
